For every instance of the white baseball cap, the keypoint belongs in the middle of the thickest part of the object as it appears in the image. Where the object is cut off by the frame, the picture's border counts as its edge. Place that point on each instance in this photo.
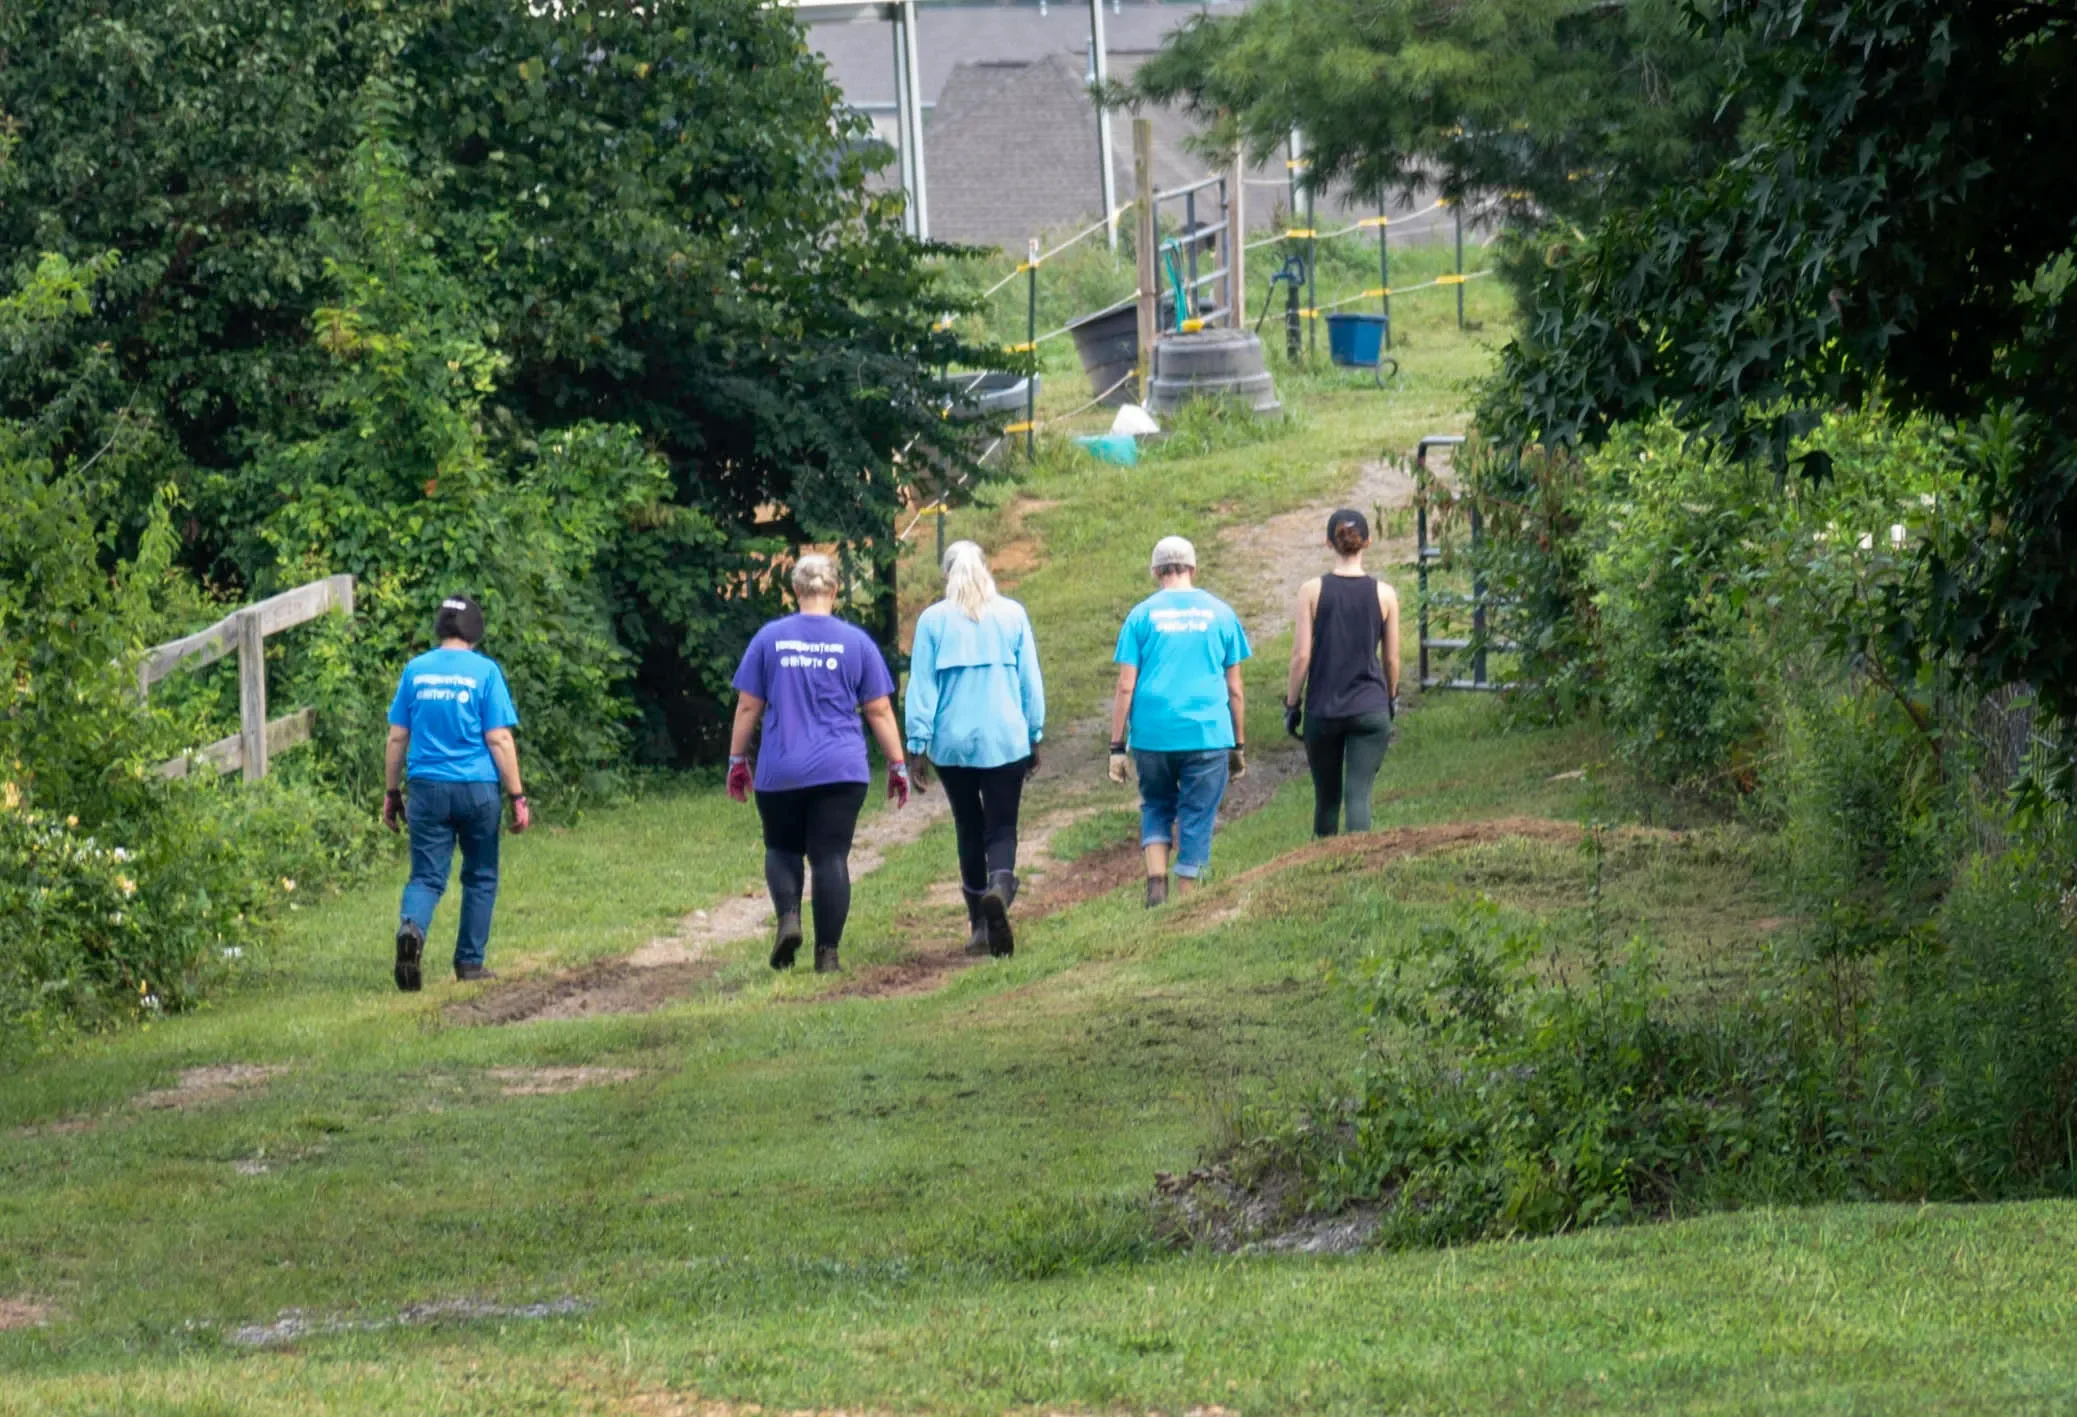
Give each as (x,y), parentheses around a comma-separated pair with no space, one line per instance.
(1173,551)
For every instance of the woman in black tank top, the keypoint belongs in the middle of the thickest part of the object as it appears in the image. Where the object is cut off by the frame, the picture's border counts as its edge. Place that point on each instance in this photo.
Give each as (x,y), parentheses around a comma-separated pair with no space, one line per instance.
(1344,620)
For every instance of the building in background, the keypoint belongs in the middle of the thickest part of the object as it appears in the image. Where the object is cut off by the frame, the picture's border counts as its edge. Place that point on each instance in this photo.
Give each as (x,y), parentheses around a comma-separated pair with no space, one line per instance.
(1010,145)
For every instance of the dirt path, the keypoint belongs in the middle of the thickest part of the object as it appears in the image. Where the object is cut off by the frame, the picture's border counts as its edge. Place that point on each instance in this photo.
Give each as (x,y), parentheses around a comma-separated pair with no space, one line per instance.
(1261,569)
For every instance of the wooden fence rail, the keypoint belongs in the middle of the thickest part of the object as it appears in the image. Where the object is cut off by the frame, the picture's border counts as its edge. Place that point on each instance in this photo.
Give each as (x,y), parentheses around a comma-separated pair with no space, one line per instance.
(245,631)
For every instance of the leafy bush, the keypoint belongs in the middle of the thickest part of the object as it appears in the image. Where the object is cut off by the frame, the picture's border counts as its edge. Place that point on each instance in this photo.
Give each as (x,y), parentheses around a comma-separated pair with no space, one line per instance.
(118,889)
(1499,1096)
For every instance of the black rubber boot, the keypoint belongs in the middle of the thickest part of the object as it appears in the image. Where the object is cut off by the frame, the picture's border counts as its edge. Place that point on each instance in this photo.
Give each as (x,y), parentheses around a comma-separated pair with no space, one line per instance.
(410,951)
(1157,891)
(995,911)
(826,960)
(787,943)
(472,973)
(976,923)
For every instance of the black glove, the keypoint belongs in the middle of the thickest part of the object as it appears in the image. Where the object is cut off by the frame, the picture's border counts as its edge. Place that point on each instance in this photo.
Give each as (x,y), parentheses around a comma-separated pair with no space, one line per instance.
(1031,768)
(1294,719)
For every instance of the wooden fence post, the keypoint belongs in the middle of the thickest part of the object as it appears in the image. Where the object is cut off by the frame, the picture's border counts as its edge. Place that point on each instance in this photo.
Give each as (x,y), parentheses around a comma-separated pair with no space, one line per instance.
(1237,244)
(252,695)
(1148,230)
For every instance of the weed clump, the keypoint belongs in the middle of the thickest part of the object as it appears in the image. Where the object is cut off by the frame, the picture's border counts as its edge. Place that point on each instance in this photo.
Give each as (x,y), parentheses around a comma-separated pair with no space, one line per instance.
(1503,1093)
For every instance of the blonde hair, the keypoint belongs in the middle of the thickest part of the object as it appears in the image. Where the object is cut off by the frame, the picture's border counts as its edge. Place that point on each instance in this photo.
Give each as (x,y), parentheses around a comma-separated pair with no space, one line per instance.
(968,583)
(815,574)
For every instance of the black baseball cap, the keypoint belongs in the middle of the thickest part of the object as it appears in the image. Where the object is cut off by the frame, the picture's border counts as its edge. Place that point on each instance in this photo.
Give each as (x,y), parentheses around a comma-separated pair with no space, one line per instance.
(1348,516)
(460,618)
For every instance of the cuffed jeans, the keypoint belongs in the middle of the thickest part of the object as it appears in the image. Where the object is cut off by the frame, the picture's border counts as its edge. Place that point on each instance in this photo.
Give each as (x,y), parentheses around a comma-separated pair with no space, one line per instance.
(441,814)
(1179,796)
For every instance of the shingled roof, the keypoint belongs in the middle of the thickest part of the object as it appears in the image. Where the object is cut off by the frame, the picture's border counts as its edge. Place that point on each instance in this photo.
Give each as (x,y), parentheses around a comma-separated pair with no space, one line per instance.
(1010,137)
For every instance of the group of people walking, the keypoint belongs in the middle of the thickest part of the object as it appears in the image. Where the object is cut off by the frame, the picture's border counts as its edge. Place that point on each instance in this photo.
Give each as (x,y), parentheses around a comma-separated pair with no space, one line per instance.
(812,686)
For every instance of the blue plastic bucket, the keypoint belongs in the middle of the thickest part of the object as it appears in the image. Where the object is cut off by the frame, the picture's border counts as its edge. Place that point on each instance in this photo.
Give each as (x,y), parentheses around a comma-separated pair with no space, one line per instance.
(1357,340)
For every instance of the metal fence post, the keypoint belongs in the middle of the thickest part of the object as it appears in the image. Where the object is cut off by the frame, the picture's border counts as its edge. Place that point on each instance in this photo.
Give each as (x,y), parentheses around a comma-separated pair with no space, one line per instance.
(1031,340)
(1384,264)
(1478,600)
(1312,271)
(1421,549)
(1190,256)
(1459,208)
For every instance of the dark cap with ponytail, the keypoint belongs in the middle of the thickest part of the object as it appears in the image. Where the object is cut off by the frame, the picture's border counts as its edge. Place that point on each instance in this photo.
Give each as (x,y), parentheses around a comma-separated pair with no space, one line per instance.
(1347,531)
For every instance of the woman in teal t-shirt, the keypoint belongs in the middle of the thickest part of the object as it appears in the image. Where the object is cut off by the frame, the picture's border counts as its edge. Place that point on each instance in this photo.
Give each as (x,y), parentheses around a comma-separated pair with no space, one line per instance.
(1179,694)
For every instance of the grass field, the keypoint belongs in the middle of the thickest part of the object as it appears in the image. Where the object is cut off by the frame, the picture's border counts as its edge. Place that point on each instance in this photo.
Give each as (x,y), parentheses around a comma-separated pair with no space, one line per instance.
(793,1193)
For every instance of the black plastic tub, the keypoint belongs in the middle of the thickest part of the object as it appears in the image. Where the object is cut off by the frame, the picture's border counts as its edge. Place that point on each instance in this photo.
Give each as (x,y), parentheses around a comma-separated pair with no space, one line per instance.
(990,393)
(1108,343)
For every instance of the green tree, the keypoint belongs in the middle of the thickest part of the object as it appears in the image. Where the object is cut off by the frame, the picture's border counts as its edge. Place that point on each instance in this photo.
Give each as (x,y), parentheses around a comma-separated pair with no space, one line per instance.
(1898,221)
(654,213)
(1573,108)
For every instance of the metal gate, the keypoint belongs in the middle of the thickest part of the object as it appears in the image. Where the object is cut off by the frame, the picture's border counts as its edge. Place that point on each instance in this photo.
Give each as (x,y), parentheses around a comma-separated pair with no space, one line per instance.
(1439,605)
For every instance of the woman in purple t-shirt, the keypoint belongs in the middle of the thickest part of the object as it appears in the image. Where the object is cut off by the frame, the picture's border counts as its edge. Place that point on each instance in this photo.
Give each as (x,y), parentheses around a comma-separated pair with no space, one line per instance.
(806,677)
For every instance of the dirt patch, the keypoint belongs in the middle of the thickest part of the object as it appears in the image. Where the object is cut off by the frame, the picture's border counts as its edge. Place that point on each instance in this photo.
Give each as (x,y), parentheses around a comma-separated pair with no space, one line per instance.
(64,1126)
(613,986)
(670,967)
(1264,563)
(198,1087)
(1209,1210)
(916,974)
(22,1313)
(295,1323)
(1048,885)
(553,1082)
(1376,848)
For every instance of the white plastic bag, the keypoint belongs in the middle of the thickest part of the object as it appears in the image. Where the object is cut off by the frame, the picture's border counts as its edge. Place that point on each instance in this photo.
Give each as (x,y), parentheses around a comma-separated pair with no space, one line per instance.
(1134,421)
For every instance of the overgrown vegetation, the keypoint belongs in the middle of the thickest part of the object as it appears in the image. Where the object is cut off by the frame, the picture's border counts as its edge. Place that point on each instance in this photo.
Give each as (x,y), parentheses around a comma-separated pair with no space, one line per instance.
(584,310)
(120,893)
(1778,477)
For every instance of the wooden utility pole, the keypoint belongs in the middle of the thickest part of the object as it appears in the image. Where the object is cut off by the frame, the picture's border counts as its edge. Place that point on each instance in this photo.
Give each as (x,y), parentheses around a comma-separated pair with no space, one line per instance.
(1237,244)
(1143,247)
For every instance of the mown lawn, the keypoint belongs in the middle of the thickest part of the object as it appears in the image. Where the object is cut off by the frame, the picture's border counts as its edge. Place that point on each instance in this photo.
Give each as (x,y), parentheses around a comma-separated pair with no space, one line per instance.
(941,1202)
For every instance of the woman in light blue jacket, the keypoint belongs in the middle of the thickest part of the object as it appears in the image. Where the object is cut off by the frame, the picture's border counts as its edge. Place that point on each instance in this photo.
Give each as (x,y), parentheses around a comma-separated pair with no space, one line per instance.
(976,710)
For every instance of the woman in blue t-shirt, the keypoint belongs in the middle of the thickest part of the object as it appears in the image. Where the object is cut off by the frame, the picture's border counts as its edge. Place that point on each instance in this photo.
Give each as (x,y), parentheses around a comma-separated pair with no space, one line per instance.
(451,725)
(976,710)
(806,677)
(1180,707)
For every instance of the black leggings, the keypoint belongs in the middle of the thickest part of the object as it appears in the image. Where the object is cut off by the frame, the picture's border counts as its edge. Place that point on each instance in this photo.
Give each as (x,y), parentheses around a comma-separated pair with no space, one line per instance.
(811,827)
(984,816)
(1344,754)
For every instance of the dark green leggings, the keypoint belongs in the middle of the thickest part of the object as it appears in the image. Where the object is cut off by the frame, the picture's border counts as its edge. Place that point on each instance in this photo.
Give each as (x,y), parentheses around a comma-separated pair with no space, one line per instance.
(1344,754)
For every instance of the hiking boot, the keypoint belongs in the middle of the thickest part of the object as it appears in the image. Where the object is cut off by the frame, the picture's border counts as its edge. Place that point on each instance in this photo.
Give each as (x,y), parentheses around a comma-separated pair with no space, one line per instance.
(410,950)
(995,912)
(1157,891)
(787,943)
(472,973)
(977,925)
(826,959)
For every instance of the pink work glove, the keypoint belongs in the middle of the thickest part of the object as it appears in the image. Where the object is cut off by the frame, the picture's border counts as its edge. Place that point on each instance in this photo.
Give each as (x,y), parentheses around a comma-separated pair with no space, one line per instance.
(739,779)
(898,784)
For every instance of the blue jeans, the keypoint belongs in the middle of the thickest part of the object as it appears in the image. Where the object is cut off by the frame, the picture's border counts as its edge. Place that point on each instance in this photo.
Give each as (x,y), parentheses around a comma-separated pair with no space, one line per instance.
(440,814)
(1178,799)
